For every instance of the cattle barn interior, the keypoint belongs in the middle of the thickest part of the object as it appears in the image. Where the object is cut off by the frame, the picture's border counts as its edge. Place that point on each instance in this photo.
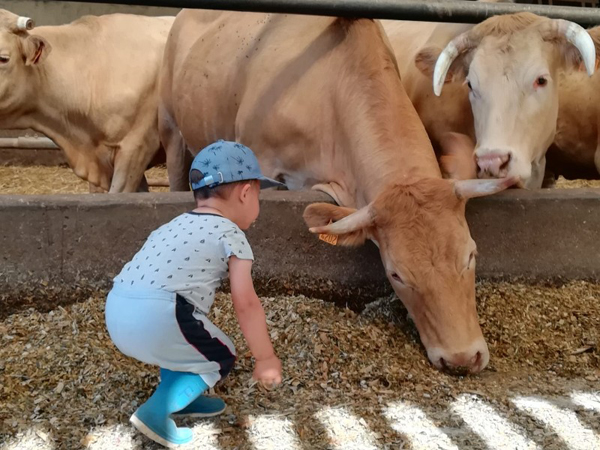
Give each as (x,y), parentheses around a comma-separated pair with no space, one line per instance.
(355,373)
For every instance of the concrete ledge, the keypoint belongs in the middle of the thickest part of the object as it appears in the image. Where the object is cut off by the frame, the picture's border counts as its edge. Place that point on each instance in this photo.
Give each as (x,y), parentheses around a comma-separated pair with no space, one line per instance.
(71,242)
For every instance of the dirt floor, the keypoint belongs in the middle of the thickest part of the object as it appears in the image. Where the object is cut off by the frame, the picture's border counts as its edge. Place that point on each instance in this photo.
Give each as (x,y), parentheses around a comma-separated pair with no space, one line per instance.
(350,381)
(62,180)
(54,180)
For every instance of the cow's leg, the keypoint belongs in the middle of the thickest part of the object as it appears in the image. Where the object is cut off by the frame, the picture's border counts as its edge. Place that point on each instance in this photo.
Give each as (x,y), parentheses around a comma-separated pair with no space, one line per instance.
(132,159)
(95,189)
(179,159)
(549,180)
(538,171)
(597,158)
(143,187)
(130,165)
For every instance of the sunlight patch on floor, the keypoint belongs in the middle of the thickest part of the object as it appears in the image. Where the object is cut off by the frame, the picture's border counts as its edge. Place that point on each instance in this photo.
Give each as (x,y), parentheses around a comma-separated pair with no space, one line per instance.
(32,439)
(563,422)
(497,432)
(346,431)
(589,401)
(110,437)
(273,433)
(412,422)
(206,435)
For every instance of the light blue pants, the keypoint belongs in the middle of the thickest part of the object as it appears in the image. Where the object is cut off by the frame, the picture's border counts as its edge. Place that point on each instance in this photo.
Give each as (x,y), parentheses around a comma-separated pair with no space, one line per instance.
(162,328)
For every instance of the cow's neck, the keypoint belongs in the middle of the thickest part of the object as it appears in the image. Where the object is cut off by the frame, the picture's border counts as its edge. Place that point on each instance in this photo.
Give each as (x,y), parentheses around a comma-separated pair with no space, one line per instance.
(58,114)
(384,136)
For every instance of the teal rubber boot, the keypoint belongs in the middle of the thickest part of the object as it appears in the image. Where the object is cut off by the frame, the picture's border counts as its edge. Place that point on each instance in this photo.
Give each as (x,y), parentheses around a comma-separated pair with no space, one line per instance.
(202,407)
(175,391)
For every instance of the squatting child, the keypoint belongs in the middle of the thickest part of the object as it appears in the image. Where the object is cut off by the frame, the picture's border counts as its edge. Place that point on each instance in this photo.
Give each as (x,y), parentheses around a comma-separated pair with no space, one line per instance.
(157,311)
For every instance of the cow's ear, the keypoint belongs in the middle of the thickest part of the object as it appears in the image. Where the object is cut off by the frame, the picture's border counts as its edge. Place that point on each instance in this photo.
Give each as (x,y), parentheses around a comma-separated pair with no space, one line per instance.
(36,49)
(573,57)
(349,226)
(427,58)
(457,160)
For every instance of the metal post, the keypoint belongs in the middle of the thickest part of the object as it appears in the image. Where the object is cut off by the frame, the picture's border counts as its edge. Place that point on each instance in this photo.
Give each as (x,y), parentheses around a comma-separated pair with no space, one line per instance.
(28,143)
(421,10)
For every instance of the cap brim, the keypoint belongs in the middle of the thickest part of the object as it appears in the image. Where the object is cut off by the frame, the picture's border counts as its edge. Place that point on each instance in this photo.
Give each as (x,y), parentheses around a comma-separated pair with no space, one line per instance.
(266,183)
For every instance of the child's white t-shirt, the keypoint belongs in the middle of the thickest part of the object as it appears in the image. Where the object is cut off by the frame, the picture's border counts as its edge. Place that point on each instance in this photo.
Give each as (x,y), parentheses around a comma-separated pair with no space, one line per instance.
(188,256)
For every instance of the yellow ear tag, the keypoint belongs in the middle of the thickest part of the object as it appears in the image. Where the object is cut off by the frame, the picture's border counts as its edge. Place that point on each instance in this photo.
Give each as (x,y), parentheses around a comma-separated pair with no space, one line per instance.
(331,239)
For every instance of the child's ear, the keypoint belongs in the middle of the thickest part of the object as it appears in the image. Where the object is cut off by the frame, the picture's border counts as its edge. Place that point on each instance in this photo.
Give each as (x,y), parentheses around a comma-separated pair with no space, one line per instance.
(245,191)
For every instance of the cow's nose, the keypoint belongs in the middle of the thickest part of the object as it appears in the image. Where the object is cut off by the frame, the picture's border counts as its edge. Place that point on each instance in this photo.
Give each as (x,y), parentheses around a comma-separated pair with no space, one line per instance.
(470,361)
(494,164)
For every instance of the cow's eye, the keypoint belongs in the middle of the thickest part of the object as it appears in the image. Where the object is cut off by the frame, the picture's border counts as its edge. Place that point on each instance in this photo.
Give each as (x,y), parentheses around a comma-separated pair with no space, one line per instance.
(397,278)
(469,85)
(471,263)
(4,59)
(541,82)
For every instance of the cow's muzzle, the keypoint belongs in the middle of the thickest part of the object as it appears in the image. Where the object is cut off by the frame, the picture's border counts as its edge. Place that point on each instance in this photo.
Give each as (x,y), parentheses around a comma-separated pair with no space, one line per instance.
(494,164)
(471,360)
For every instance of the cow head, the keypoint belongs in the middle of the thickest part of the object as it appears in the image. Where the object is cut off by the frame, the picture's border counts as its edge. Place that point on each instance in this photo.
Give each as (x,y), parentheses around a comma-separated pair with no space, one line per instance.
(511,65)
(20,54)
(429,258)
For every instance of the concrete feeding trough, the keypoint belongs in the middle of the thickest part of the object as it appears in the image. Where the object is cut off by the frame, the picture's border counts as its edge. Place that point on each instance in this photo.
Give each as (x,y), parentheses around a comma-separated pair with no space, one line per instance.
(69,241)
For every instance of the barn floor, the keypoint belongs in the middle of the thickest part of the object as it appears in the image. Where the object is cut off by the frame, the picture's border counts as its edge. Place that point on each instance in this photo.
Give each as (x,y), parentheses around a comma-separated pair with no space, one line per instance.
(351,382)
(54,180)
(62,180)
(357,382)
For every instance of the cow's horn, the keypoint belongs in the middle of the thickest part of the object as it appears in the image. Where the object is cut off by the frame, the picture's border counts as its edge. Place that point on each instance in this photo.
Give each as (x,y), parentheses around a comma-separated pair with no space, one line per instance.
(25,23)
(580,38)
(466,189)
(454,48)
(355,221)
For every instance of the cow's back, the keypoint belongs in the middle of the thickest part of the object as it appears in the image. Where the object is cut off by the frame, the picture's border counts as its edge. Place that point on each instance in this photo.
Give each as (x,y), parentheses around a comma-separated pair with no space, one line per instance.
(242,60)
(119,57)
(274,82)
(440,115)
(96,95)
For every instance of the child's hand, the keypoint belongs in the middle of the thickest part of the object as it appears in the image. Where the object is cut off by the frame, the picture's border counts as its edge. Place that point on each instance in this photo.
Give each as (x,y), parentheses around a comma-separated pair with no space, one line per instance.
(268,372)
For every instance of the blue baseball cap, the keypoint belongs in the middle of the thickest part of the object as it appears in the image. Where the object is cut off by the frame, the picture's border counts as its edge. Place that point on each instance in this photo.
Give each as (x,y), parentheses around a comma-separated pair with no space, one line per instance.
(227,162)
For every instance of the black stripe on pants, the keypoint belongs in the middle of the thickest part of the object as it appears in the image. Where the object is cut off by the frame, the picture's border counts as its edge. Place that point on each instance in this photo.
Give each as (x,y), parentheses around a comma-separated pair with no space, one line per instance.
(194,332)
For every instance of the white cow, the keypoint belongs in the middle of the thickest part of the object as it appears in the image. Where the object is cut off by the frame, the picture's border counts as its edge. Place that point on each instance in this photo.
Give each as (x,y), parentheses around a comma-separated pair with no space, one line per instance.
(498,82)
(91,86)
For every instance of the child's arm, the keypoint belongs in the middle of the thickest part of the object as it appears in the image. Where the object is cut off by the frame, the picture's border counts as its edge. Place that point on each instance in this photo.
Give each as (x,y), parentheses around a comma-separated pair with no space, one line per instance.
(251,317)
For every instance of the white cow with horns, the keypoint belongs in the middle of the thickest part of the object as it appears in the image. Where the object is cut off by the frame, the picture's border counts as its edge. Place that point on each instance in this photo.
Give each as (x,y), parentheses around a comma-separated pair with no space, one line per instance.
(496,83)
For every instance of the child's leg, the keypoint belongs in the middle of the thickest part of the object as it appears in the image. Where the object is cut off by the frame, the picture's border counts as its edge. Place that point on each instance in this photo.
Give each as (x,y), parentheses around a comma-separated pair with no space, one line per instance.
(202,407)
(175,391)
(214,346)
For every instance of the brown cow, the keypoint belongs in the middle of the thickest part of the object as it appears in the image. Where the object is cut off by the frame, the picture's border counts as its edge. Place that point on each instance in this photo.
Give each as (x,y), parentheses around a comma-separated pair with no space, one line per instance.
(510,66)
(575,153)
(320,101)
(91,86)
